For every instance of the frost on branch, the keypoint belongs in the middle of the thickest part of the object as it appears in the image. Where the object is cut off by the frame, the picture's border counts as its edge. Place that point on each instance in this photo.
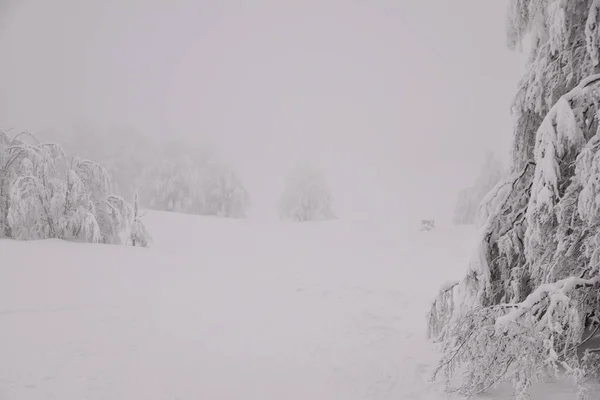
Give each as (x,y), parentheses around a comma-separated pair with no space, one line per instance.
(592,32)
(563,39)
(530,300)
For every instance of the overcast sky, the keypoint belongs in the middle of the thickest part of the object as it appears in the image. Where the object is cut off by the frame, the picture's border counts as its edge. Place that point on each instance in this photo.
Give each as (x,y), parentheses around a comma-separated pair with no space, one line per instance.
(396,100)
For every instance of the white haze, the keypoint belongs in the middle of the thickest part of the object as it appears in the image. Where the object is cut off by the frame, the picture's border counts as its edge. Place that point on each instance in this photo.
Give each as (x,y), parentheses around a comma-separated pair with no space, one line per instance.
(396,100)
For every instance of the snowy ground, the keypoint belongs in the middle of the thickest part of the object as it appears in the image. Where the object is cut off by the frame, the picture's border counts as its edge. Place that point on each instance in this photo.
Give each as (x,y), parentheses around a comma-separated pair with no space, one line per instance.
(221,309)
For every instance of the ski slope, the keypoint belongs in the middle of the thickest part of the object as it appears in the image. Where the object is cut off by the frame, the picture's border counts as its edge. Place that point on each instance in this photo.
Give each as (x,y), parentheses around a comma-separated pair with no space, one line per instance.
(225,309)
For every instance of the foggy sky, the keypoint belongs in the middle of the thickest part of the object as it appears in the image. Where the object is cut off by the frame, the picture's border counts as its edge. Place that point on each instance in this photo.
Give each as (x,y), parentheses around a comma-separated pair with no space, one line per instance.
(397,100)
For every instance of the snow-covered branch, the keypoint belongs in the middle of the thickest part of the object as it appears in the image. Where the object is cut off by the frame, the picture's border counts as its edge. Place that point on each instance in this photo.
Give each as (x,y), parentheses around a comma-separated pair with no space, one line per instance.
(550,293)
(528,305)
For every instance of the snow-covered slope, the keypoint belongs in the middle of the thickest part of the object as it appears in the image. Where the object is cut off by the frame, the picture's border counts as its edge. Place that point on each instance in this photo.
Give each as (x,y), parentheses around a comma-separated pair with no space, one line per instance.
(225,309)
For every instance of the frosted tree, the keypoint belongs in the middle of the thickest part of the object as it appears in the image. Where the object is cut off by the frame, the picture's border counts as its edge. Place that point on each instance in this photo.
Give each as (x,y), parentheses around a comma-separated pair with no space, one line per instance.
(203,186)
(41,192)
(138,235)
(527,308)
(14,153)
(172,185)
(6,175)
(222,192)
(306,196)
(174,176)
(46,194)
(469,199)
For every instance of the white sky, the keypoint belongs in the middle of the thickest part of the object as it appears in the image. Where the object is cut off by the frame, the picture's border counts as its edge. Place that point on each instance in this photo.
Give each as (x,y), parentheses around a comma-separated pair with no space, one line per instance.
(396,99)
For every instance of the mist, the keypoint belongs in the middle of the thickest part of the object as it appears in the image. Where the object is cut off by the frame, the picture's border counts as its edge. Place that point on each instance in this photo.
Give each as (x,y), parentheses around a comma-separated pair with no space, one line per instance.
(304,199)
(396,101)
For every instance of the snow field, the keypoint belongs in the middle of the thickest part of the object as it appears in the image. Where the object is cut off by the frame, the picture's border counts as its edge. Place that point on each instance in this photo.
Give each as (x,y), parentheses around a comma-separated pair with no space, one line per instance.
(225,309)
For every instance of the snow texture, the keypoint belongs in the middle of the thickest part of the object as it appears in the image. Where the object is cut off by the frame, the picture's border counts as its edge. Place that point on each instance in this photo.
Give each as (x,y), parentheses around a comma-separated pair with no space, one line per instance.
(311,311)
(259,311)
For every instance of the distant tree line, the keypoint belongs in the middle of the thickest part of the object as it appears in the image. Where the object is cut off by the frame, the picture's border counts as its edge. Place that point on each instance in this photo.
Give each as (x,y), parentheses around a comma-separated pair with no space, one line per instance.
(191,178)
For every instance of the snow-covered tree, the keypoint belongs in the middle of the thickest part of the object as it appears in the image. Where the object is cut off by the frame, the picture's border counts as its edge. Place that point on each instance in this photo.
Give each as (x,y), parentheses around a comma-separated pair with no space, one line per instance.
(223,193)
(306,196)
(171,185)
(469,199)
(15,151)
(138,235)
(202,186)
(175,175)
(46,194)
(528,308)
(6,176)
